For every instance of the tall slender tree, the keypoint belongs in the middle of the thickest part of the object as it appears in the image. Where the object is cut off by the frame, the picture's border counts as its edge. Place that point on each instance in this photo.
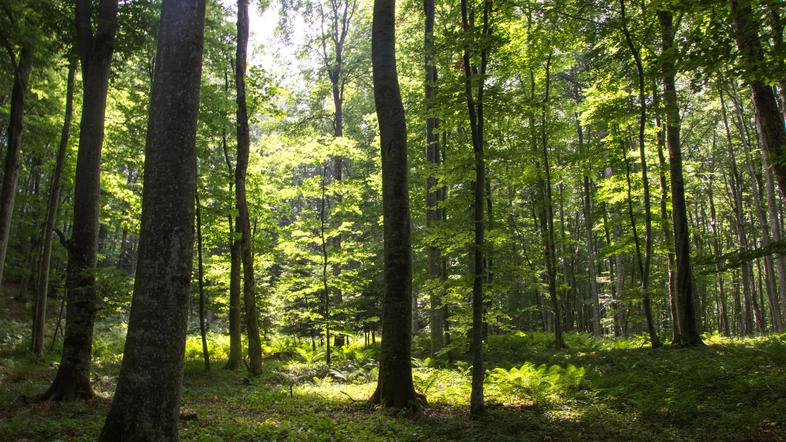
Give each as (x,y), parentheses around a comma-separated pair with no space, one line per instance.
(645,266)
(21,63)
(96,26)
(433,212)
(473,91)
(242,223)
(42,286)
(689,330)
(395,387)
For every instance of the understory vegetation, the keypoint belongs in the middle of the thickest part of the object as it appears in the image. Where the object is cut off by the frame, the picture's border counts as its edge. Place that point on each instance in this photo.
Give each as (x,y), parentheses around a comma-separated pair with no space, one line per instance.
(596,389)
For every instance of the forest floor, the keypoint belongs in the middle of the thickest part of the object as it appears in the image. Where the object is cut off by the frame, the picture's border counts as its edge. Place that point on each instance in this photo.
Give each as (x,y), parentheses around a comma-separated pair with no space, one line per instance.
(730,389)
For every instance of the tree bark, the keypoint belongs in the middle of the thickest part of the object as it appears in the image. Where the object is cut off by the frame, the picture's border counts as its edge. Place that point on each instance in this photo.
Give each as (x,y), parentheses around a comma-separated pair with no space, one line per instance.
(15,125)
(646,265)
(723,317)
(474,101)
(769,121)
(235,357)
(666,220)
(147,400)
(95,48)
(433,212)
(775,230)
(395,387)
(242,223)
(590,240)
(689,335)
(42,289)
(735,188)
(201,282)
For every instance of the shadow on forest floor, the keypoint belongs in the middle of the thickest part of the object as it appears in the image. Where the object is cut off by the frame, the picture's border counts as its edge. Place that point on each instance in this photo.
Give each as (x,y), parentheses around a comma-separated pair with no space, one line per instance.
(728,390)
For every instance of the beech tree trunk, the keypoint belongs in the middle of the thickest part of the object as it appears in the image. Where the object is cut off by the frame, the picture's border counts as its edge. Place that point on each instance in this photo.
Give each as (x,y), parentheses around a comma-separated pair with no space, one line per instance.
(474,101)
(588,227)
(769,121)
(201,282)
(646,265)
(723,317)
(147,400)
(689,330)
(666,220)
(21,68)
(95,48)
(395,387)
(433,213)
(775,230)
(235,357)
(242,223)
(735,190)
(42,288)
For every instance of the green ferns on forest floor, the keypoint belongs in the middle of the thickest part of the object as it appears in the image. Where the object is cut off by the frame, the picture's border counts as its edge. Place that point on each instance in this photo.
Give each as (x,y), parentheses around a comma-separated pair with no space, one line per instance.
(732,389)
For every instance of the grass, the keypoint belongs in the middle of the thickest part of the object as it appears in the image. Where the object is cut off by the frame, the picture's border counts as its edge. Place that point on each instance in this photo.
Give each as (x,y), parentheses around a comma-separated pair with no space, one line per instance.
(731,389)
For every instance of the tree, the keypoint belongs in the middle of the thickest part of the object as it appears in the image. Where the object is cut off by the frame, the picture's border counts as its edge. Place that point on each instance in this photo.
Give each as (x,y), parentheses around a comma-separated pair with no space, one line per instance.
(689,331)
(242,223)
(147,400)
(645,266)
(474,98)
(95,45)
(769,122)
(42,288)
(21,63)
(433,213)
(395,387)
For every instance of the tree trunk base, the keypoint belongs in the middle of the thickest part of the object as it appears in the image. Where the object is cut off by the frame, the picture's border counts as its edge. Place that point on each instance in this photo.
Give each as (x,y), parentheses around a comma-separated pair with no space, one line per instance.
(68,385)
(413,403)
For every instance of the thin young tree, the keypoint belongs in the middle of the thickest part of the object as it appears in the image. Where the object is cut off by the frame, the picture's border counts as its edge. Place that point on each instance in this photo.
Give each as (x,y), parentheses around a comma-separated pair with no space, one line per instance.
(395,387)
(689,330)
(433,215)
(96,26)
(147,400)
(21,63)
(645,264)
(242,223)
(42,286)
(473,91)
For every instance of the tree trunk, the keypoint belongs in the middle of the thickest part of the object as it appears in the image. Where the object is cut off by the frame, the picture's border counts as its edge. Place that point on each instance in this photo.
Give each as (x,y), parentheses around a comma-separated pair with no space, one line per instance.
(590,239)
(201,282)
(95,48)
(395,387)
(666,220)
(11,169)
(769,122)
(547,221)
(645,266)
(235,357)
(147,400)
(242,222)
(42,289)
(325,288)
(688,327)
(474,101)
(433,213)
(735,190)
(775,230)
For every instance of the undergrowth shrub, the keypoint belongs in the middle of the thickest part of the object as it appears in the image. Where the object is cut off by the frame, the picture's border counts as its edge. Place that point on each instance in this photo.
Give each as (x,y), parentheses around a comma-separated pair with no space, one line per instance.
(540,384)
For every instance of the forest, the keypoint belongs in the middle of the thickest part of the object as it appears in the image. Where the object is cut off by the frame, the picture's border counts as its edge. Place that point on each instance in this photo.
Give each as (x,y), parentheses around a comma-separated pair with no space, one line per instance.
(357,220)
